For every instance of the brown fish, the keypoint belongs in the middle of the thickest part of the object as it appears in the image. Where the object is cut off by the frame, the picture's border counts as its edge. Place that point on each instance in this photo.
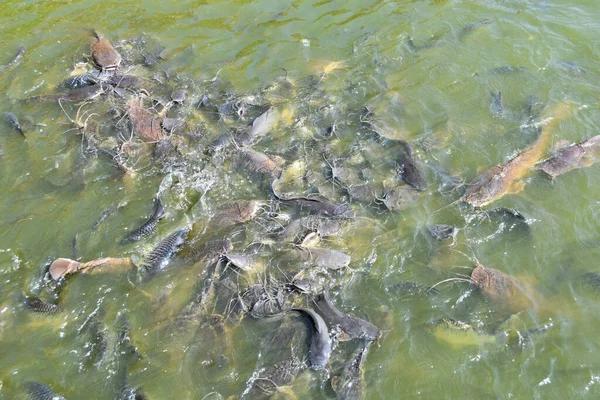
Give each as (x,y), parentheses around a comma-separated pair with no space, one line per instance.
(104,54)
(577,155)
(502,289)
(254,161)
(504,179)
(62,267)
(145,124)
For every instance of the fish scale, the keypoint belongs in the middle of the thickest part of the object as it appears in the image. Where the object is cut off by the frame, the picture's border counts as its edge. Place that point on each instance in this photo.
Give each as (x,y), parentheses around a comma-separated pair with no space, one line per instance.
(158,258)
(149,226)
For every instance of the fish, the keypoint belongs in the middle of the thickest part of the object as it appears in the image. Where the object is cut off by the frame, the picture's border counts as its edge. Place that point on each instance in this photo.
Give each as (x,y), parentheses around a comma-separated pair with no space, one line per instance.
(208,253)
(353,326)
(79,81)
(233,107)
(400,197)
(503,290)
(236,212)
(62,267)
(104,54)
(279,374)
(296,229)
(36,305)
(459,334)
(240,261)
(145,124)
(75,95)
(496,106)
(572,68)
(254,161)
(16,59)
(179,96)
(159,257)
(442,232)
(262,125)
(40,391)
(504,179)
(126,81)
(323,207)
(170,124)
(14,122)
(319,349)
(428,44)
(507,69)
(577,155)
(467,29)
(409,170)
(350,384)
(147,227)
(107,213)
(327,258)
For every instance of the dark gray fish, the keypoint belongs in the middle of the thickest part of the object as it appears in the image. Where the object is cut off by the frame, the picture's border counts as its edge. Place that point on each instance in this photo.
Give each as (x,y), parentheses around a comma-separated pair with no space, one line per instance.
(496,106)
(14,122)
(76,95)
(209,253)
(149,226)
(412,175)
(350,385)
(159,257)
(442,232)
(107,213)
(592,279)
(126,81)
(39,391)
(179,96)
(170,124)
(319,349)
(279,374)
(400,198)
(220,142)
(16,59)
(79,81)
(408,168)
(233,107)
(353,326)
(204,100)
(35,304)
(323,207)
(498,221)
(471,27)
(428,44)
(297,228)
(96,350)
(572,68)
(507,70)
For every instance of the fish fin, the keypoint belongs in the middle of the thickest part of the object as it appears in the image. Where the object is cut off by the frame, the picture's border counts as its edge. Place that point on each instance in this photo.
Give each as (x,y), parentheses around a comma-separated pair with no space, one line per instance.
(586,161)
(516,187)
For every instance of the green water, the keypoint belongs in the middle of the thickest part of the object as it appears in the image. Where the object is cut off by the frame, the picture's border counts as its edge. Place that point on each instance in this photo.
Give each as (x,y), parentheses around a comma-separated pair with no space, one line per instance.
(436,98)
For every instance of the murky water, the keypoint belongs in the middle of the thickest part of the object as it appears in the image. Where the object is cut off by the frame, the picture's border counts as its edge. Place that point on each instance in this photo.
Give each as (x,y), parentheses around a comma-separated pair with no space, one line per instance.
(424,71)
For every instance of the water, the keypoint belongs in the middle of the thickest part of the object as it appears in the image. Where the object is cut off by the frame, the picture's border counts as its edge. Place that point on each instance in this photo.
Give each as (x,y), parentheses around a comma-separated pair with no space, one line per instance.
(436,97)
